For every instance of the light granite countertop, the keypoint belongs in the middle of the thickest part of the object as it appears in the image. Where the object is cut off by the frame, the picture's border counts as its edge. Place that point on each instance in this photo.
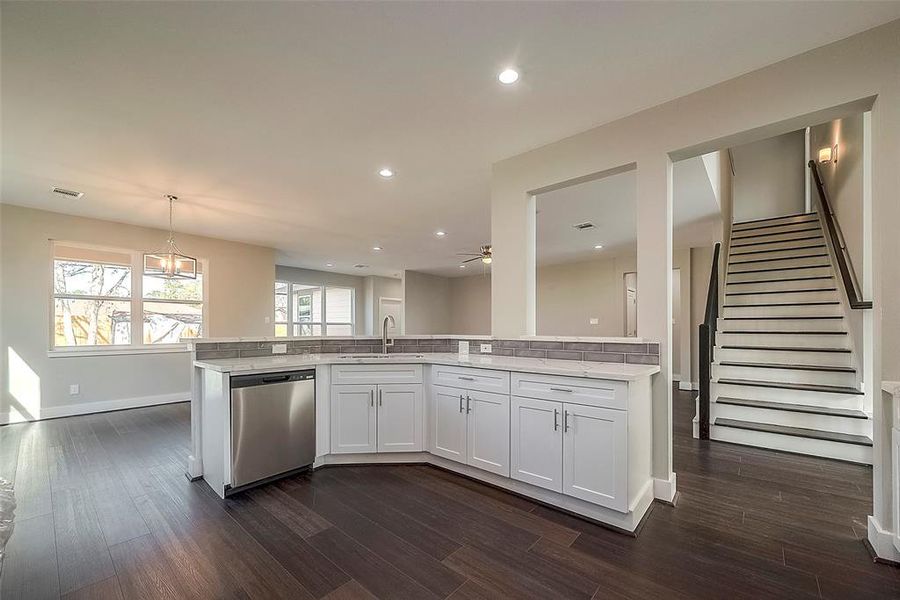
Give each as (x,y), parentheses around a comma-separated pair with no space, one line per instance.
(594,370)
(446,336)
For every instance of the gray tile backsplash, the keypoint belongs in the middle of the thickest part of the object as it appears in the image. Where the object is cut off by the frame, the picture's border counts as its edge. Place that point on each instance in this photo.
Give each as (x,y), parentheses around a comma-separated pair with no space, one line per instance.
(615,352)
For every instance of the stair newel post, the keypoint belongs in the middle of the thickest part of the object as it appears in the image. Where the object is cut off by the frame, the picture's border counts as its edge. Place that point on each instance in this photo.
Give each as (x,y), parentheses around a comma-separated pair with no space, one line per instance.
(704,381)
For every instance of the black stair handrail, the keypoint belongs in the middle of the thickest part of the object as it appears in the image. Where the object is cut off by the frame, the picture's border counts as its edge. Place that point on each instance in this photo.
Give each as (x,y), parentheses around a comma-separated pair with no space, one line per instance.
(845,265)
(708,342)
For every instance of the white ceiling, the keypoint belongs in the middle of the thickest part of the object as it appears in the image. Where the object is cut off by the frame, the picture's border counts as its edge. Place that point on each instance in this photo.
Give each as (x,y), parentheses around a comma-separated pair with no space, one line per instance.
(611,204)
(270,120)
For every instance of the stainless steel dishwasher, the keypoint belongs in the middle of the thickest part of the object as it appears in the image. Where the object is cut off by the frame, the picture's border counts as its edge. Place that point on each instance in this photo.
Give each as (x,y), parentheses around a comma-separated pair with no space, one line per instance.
(273,426)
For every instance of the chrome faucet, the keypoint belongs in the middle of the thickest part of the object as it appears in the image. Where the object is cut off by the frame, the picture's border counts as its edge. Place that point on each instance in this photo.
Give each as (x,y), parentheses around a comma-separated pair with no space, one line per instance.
(385,343)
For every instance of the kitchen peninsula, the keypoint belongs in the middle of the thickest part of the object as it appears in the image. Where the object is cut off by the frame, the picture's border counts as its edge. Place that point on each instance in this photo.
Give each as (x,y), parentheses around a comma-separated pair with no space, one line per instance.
(564,421)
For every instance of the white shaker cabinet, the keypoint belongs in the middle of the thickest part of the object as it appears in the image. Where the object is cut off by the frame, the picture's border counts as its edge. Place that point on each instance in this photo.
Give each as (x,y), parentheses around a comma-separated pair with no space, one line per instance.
(399,417)
(595,454)
(471,427)
(448,423)
(353,419)
(536,444)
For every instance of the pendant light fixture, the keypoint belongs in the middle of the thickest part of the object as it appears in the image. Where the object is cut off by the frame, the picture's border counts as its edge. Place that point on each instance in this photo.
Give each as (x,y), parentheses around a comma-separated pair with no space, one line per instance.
(170,263)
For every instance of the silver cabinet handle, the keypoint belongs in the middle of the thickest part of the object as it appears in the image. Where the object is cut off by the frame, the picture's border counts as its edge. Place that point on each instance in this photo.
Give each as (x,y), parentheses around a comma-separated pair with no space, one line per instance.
(460,402)
(565,421)
(556,389)
(380,402)
(371,397)
(466,378)
(468,404)
(555,419)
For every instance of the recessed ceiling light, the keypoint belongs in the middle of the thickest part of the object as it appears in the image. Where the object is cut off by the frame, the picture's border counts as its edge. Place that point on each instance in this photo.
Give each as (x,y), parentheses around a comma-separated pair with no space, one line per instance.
(462,266)
(377,248)
(329,264)
(598,247)
(508,76)
(386,172)
(440,233)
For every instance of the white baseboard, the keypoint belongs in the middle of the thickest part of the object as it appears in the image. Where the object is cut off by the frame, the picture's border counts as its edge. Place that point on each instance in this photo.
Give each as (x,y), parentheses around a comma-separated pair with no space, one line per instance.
(665,489)
(882,541)
(687,386)
(84,408)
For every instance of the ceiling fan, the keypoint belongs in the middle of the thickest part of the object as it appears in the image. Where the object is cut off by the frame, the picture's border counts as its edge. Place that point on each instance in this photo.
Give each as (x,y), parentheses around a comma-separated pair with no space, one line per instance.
(484,256)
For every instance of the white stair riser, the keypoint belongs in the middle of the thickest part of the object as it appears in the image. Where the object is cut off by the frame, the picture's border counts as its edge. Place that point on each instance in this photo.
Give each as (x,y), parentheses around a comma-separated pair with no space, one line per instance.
(771,253)
(792,419)
(739,251)
(744,265)
(831,359)
(789,443)
(783,311)
(776,228)
(781,297)
(782,340)
(798,324)
(788,219)
(780,273)
(760,238)
(785,375)
(752,392)
(771,286)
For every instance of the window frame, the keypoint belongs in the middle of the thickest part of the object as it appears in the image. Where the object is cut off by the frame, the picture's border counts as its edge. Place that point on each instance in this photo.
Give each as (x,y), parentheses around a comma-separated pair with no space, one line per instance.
(323,324)
(136,300)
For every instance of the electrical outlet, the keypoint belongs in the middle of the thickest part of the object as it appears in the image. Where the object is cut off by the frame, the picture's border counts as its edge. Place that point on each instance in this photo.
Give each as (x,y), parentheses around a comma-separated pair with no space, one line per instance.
(279,348)
(463,348)
(74,389)
(595,321)
(268,320)
(485,348)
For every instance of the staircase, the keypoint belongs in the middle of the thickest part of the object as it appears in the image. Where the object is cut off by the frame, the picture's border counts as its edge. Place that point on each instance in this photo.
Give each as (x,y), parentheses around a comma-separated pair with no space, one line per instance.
(784,374)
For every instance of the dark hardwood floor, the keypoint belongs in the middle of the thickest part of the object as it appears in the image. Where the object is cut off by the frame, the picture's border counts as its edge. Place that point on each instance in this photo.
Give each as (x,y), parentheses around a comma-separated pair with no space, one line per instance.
(106,512)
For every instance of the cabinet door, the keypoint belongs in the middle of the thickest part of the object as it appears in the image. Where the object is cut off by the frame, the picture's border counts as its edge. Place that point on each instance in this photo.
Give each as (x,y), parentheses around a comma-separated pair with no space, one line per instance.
(353,418)
(594,455)
(448,423)
(399,417)
(536,441)
(488,431)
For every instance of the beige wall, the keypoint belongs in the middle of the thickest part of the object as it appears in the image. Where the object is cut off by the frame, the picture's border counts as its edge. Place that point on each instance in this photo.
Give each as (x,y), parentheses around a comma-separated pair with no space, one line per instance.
(376,288)
(470,305)
(826,83)
(426,304)
(239,282)
(770,177)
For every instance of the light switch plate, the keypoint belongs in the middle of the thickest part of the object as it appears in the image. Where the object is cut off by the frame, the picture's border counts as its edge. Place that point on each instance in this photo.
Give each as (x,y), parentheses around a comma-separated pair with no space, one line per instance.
(74,389)
(485,348)
(463,348)
(279,348)
(595,321)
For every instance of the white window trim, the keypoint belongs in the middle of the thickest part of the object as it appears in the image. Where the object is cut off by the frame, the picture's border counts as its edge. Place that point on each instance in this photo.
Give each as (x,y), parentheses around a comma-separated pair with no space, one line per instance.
(137,308)
(323,287)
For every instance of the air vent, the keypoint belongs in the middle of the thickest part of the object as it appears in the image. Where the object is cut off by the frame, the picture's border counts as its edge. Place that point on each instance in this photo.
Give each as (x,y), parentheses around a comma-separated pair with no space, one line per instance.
(583,226)
(65,192)
(360,266)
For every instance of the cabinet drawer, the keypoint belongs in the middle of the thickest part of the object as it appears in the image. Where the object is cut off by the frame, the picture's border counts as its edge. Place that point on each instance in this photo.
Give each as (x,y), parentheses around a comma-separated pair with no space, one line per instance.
(578,390)
(484,380)
(375,374)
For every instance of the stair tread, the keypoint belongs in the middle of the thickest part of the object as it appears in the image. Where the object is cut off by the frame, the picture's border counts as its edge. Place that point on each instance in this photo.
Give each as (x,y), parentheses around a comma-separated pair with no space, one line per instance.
(822,303)
(783,279)
(766,219)
(790,407)
(786,348)
(787,366)
(771,332)
(798,291)
(783,318)
(766,260)
(830,436)
(778,249)
(808,387)
(795,268)
(756,235)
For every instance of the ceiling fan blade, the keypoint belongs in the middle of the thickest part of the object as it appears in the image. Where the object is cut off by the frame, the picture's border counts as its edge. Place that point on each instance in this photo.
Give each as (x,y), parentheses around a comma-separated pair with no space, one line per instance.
(467,254)
(471,259)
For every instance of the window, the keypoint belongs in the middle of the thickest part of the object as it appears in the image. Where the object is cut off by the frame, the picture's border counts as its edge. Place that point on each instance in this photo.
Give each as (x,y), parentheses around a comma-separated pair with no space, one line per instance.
(312,310)
(98,292)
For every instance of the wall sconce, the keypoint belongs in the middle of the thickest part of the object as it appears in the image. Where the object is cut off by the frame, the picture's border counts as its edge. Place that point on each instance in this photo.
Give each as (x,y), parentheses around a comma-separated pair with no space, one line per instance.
(827,155)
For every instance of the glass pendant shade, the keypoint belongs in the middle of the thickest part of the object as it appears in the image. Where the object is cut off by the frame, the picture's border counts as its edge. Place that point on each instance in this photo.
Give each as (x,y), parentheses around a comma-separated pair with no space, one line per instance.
(170,263)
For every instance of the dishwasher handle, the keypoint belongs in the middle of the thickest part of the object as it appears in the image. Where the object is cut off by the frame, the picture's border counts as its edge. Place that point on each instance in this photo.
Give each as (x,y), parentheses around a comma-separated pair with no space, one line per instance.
(244,381)
(279,379)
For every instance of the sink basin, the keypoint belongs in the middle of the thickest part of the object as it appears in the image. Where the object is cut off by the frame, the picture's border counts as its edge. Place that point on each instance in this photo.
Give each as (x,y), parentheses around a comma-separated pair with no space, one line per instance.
(395,355)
